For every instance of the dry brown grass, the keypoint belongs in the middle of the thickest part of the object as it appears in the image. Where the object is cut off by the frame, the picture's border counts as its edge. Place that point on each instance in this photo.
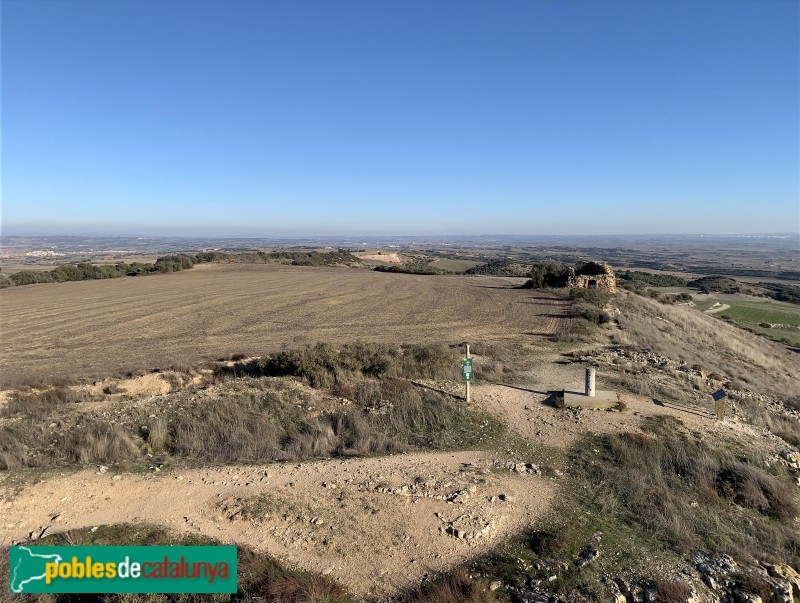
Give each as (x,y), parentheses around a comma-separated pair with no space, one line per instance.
(245,420)
(41,403)
(37,443)
(93,329)
(455,587)
(673,591)
(687,495)
(684,333)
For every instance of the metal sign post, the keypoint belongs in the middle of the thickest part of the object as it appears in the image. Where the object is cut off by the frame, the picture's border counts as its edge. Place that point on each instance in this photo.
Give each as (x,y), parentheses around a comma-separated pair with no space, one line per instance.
(466,371)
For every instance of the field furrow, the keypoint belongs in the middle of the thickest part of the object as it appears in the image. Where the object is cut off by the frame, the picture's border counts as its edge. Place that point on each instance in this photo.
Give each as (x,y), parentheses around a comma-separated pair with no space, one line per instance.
(84,329)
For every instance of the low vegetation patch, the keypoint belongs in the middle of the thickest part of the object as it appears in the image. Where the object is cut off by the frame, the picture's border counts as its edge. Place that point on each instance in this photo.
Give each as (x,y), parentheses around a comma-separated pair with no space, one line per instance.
(687,495)
(649,278)
(638,505)
(716,284)
(324,365)
(260,578)
(390,416)
(687,335)
(501,268)
(250,414)
(176,263)
(415,267)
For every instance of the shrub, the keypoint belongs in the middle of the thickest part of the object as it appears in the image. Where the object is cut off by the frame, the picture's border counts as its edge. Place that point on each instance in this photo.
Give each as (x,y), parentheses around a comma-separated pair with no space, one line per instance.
(96,441)
(589,269)
(596,297)
(455,587)
(656,280)
(30,277)
(324,366)
(548,274)
(673,591)
(38,404)
(717,284)
(591,314)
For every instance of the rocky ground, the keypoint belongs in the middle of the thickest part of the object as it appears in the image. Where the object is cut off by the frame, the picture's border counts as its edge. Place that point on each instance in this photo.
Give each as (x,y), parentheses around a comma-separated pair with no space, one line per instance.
(381,524)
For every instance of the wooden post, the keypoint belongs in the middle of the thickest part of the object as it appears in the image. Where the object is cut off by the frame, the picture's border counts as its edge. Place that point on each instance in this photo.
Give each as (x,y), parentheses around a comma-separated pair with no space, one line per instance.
(719,403)
(470,375)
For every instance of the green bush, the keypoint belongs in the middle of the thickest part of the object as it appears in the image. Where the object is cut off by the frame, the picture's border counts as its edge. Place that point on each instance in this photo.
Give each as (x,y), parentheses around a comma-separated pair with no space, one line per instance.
(324,366)
(593,314)
(716,284)
(548,274)
(656,280)
(596,297)
(31,277)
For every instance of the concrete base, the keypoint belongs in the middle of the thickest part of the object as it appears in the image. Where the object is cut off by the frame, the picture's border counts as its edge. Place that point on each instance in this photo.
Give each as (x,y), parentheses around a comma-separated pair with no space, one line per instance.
(599,400)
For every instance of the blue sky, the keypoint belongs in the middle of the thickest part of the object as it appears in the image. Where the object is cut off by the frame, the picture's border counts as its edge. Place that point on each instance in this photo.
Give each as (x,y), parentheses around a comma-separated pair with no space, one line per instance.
(415,117)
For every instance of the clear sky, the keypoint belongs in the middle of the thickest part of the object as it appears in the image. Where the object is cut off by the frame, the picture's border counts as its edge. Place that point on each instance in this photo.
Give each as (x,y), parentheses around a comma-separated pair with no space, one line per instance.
(404,117)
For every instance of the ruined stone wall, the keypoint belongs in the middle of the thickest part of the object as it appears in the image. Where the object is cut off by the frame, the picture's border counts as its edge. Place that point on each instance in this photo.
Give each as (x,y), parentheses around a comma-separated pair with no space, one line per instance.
(607,281)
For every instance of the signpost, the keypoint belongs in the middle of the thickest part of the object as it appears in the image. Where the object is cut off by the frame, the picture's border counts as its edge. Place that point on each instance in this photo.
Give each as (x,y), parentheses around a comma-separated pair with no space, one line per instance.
(719,403)
(466,371)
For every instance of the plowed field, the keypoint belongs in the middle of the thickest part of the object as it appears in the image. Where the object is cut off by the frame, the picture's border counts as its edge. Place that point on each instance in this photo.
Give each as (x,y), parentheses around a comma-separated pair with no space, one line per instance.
(95,328)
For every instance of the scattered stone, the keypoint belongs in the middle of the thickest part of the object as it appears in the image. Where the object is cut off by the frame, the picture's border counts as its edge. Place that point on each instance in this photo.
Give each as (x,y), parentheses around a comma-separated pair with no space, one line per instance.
(587,555)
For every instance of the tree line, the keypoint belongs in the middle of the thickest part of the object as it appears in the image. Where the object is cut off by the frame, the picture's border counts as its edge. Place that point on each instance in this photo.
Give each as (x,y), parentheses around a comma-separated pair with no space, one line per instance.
(84,271)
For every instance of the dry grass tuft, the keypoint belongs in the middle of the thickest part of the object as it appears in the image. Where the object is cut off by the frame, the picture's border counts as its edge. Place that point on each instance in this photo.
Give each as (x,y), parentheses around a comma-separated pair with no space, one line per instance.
(685,333)
(690,496)
(455,587)
(673,591)
(324,366)
(97,442)
(41,403)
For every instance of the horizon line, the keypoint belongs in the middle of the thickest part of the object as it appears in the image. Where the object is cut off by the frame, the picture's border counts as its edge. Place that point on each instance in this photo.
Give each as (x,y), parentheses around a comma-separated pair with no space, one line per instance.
(385,235)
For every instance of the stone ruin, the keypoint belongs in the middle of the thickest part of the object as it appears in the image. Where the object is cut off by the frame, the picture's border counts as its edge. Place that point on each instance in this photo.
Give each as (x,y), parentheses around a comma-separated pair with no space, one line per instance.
(592,275)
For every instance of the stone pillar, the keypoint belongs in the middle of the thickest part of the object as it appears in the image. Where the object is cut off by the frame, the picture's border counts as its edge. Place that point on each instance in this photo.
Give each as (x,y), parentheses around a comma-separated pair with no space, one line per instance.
(590,382)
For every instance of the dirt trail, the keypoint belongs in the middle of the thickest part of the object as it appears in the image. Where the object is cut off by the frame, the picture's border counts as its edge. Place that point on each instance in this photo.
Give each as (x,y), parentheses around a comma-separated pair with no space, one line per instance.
(528,411)
(717,307)
(374,524)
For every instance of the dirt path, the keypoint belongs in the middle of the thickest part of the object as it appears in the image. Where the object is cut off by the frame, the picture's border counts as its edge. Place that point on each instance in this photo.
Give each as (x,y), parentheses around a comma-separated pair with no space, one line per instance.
(529,412)
(717,307)
(374,524)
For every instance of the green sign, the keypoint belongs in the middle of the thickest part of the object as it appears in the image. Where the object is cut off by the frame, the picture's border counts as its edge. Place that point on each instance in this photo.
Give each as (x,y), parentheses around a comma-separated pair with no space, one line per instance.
(466,370)
(122,569)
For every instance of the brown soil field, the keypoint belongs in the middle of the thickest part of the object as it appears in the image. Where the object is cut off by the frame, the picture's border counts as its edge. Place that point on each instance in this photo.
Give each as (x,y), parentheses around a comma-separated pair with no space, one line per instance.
(91,329)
